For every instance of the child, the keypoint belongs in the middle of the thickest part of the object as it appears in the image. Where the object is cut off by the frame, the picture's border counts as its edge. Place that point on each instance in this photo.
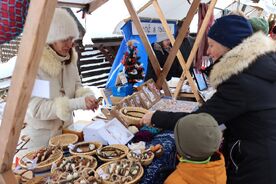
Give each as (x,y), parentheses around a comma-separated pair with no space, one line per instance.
(198,138)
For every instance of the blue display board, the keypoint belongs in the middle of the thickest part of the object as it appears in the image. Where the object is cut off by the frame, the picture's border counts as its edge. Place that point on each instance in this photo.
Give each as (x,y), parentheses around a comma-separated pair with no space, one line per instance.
(150,27)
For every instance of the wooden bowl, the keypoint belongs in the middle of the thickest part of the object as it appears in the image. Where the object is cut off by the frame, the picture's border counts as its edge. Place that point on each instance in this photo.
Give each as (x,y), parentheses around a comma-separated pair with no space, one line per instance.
(85,145)
(144,162)
(104,169)
(63,140)
(132,115)
(44,165)
(116,146)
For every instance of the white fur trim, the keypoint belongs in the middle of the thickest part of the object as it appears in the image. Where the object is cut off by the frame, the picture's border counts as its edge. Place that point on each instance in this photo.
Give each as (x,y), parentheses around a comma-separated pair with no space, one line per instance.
(51,61)
(241,57)
(63,109)
(83,92)
(62,27)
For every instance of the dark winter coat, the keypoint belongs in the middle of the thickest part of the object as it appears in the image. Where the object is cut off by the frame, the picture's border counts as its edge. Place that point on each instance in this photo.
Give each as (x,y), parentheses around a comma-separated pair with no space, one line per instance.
(245,102)
(162,55)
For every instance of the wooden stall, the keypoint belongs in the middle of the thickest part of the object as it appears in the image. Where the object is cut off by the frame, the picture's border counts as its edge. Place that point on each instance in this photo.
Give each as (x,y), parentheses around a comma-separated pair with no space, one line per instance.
(161,82)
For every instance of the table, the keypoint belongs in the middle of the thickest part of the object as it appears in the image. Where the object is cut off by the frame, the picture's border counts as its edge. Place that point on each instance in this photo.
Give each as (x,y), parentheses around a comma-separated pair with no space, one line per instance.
(160,168)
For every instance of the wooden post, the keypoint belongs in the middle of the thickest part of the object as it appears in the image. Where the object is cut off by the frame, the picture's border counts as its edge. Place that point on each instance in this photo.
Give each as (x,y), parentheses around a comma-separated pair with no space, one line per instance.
(141,9)
(179,54)
(179,39)
(144,38)
(197,42)
(36,28)
(7,177)
(95,5)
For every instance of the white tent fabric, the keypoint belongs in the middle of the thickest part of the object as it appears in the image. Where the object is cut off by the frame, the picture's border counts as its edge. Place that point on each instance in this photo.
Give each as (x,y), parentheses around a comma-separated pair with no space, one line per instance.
(269,6)
(102,24)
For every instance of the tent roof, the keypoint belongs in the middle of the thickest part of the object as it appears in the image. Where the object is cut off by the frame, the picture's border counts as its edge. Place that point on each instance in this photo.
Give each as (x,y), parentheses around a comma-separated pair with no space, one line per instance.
(101,24)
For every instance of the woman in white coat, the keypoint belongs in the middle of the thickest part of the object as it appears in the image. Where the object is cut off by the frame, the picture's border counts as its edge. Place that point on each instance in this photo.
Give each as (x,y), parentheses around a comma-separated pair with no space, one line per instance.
(47,117)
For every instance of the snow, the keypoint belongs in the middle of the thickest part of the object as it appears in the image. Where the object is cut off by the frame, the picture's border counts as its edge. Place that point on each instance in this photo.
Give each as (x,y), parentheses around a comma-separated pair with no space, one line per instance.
(6,69)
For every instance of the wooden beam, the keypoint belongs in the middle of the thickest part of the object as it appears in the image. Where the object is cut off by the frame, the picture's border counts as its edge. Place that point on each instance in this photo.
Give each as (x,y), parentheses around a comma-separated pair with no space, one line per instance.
(95,5)
(179,54)
(36,28)
(144,38)
(141,9)
(7,178)
(92,6)
(179,39)
(197,43)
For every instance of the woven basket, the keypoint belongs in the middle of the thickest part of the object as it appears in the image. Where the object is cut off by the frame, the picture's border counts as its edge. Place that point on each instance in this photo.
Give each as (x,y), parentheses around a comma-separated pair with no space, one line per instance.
(93,159)
(119,146)
(92,152)
(45,165)
(104,168)
(36,180)
(63,140)
(134,114)
(43,179)
(144,162)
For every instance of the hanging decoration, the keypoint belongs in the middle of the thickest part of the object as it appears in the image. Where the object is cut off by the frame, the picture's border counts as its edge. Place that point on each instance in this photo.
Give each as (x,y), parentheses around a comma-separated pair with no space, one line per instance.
(12,18)
(132,67)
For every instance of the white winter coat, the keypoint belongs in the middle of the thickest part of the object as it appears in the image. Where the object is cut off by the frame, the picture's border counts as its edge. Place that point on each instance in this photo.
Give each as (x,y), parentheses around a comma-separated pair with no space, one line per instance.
(49,116)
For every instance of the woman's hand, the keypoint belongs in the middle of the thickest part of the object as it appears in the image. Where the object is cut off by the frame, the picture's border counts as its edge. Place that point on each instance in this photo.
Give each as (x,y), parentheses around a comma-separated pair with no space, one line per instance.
(91,103)
(146,119)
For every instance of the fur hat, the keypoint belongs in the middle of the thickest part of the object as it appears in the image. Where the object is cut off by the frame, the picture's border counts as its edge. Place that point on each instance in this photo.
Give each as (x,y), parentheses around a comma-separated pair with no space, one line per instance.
(197,136)
(259,24)
(161,37)
(62,27)
(230,30)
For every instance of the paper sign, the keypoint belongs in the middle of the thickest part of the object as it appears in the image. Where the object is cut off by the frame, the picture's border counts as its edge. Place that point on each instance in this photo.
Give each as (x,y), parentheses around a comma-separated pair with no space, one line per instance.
(151,28)
(115,133)
(41,88)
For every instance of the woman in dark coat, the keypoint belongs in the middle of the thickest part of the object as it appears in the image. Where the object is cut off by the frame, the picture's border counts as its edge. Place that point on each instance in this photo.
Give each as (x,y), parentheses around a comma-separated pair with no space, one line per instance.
(162,48)
(244,75)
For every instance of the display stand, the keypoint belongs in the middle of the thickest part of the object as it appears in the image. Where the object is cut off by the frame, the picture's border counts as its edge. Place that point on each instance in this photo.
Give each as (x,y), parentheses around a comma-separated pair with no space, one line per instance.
(36,28)
(176,44)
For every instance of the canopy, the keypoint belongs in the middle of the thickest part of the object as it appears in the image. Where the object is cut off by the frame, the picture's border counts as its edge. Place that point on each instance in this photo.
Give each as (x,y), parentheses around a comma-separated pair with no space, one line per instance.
(100,24)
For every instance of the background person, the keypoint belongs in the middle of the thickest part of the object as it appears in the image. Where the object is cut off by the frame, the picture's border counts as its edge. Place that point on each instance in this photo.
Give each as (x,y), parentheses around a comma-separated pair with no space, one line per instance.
(162,48)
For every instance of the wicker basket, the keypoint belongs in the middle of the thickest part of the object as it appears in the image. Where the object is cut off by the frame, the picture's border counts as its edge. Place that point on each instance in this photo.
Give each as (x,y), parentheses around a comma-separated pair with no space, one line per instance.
(119,146)
(36,180)
(45,165)
(44,179)
(144,162)
(134,114)
(104,167)
(63,140)
(93,159)
(92,152)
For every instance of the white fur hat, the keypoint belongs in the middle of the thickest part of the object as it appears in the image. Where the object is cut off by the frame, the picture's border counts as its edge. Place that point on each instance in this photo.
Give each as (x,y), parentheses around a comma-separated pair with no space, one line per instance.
(161,37)
(62,27)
